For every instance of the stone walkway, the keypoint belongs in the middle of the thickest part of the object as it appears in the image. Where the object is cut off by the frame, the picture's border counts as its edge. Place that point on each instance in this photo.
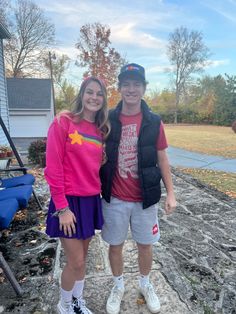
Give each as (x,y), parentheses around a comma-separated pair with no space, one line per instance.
(194,268)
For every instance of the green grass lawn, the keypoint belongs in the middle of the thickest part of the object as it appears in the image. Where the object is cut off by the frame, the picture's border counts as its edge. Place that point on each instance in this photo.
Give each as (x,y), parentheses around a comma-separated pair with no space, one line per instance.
(207,139)
(211,140)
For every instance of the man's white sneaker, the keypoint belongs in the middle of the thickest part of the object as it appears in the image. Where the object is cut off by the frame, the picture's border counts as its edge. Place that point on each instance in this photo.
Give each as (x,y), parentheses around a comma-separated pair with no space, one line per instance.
(79,307)
(65,308)
(114,300)
(151,298)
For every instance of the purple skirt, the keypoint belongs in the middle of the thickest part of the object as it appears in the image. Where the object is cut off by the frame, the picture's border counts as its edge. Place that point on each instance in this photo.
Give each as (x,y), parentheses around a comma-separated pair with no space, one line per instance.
(88,214)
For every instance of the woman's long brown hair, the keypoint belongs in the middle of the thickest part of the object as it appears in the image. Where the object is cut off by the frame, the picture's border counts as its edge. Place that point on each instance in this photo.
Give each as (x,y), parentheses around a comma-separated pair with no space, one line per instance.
(101,117)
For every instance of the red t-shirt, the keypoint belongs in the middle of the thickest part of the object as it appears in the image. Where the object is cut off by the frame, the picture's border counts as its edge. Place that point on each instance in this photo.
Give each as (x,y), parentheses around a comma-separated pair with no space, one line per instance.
(126,184)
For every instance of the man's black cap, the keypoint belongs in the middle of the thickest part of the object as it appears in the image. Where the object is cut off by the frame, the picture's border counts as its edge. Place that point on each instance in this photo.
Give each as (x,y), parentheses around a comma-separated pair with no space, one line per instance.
(132,70)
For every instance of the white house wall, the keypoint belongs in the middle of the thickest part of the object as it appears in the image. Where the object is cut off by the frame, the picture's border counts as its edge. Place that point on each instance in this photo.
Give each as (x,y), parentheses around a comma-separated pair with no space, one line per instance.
(3,97)
(29,124)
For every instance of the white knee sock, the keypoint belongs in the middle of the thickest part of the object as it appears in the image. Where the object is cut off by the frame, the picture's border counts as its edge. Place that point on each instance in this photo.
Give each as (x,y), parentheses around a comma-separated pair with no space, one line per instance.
(78,289)
(66,296)
(143,280)
(119,281)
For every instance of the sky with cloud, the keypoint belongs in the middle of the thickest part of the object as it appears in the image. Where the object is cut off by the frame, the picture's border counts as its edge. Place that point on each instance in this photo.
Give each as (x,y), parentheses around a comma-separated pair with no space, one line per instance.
(140,30)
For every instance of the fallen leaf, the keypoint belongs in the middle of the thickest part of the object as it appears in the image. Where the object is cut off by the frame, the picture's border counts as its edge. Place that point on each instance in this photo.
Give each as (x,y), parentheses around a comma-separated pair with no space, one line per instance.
(2,279)
(98,267)
(24,279)
(141,301)
(18,244)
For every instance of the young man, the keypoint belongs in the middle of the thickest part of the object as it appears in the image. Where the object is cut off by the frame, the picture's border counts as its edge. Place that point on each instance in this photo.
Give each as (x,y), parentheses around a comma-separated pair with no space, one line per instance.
(136,162)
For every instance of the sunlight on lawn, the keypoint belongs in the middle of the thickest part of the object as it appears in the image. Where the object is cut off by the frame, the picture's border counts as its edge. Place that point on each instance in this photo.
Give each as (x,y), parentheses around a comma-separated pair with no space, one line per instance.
(211,140)
(222,181)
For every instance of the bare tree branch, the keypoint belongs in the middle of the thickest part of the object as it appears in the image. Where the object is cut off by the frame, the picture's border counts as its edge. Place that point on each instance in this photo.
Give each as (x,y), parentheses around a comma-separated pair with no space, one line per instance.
(31,33)
(187,54)
(4,7)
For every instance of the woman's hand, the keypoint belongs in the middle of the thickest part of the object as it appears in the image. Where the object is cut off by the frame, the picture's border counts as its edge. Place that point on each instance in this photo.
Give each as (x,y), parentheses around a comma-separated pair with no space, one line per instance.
(67,222)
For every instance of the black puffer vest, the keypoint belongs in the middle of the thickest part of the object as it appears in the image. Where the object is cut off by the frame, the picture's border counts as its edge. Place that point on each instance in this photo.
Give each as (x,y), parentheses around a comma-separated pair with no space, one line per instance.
(148,170)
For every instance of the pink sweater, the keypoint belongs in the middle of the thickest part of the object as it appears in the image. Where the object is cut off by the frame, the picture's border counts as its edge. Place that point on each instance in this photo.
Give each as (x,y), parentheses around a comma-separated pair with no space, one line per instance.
(73,159)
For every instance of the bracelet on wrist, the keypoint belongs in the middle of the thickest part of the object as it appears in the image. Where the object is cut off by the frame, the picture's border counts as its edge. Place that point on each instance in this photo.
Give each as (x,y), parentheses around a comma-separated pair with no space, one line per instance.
(60,211)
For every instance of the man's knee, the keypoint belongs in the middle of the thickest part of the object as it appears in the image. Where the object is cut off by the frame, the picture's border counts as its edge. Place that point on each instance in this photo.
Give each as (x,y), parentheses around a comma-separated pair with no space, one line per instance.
(116,249)
(144,247)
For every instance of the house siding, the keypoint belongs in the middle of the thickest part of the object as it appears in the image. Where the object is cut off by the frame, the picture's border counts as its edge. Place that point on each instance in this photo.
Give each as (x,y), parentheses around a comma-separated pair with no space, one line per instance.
(3,97)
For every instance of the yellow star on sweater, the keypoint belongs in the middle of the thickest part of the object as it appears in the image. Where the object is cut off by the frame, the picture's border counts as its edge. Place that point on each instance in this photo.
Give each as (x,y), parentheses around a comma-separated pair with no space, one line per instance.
(76,138)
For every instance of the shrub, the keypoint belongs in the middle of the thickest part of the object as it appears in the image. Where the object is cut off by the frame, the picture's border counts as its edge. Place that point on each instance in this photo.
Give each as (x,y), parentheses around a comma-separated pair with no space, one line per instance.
(37,150)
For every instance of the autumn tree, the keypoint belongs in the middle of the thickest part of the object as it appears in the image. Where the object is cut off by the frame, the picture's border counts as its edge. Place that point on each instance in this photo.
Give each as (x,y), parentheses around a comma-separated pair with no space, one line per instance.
(199,102)
(65,92)
(31,33)
(96,53)
(187,54)
(228,108)
(210,100)
(220,90)
(162,103)
(66,96)
(57,65)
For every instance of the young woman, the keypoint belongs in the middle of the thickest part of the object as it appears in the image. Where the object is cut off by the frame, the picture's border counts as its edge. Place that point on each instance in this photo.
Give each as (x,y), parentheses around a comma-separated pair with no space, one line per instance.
(73,158)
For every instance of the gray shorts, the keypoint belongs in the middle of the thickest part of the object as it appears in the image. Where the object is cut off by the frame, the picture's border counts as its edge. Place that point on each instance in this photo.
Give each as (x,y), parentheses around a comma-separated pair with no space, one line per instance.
(119,215)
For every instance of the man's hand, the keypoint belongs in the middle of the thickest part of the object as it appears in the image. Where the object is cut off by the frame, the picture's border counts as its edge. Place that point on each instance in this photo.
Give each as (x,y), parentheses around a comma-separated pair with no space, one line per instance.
(170,203)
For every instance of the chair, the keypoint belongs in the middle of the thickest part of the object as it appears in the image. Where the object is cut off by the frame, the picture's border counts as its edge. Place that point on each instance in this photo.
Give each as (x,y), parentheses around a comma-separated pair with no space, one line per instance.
(24,179)
(15,193)
(10,276)
(12,199)
(21,193)
(8,208)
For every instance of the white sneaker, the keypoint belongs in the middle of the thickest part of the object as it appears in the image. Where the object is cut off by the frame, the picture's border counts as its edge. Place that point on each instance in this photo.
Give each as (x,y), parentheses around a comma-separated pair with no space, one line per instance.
(80,307)
(114,300)
(65,308)
(151,298)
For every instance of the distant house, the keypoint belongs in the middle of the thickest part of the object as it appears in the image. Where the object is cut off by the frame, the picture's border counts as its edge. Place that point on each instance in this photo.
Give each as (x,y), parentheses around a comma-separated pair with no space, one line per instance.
(30,109)
(4,34)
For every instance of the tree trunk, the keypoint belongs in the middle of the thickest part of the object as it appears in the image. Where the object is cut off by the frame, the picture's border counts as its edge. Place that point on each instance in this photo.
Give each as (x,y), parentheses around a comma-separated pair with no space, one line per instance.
(175,116)
(176,106)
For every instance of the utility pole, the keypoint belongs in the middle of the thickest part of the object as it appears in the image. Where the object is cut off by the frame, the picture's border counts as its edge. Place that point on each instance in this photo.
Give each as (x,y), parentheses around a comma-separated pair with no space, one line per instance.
(51,75)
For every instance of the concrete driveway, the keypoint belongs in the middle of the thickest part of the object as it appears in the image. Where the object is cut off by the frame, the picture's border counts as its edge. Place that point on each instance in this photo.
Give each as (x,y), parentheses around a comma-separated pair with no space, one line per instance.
(182,158)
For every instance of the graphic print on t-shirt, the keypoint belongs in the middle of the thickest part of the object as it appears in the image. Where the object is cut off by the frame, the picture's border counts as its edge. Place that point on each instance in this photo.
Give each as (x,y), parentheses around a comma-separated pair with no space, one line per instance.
(127,158)
(79,138)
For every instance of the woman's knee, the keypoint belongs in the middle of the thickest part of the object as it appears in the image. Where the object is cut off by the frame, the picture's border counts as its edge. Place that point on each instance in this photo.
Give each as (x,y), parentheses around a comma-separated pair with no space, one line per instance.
(76,265)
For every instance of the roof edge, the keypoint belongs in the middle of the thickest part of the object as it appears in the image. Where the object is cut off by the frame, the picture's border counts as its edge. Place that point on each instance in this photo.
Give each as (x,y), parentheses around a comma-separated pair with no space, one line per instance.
(29,109)
(28,78)
(4,33)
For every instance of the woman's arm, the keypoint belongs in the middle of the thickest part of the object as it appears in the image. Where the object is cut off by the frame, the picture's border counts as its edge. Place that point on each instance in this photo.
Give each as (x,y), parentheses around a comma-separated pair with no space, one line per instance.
(54,173)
